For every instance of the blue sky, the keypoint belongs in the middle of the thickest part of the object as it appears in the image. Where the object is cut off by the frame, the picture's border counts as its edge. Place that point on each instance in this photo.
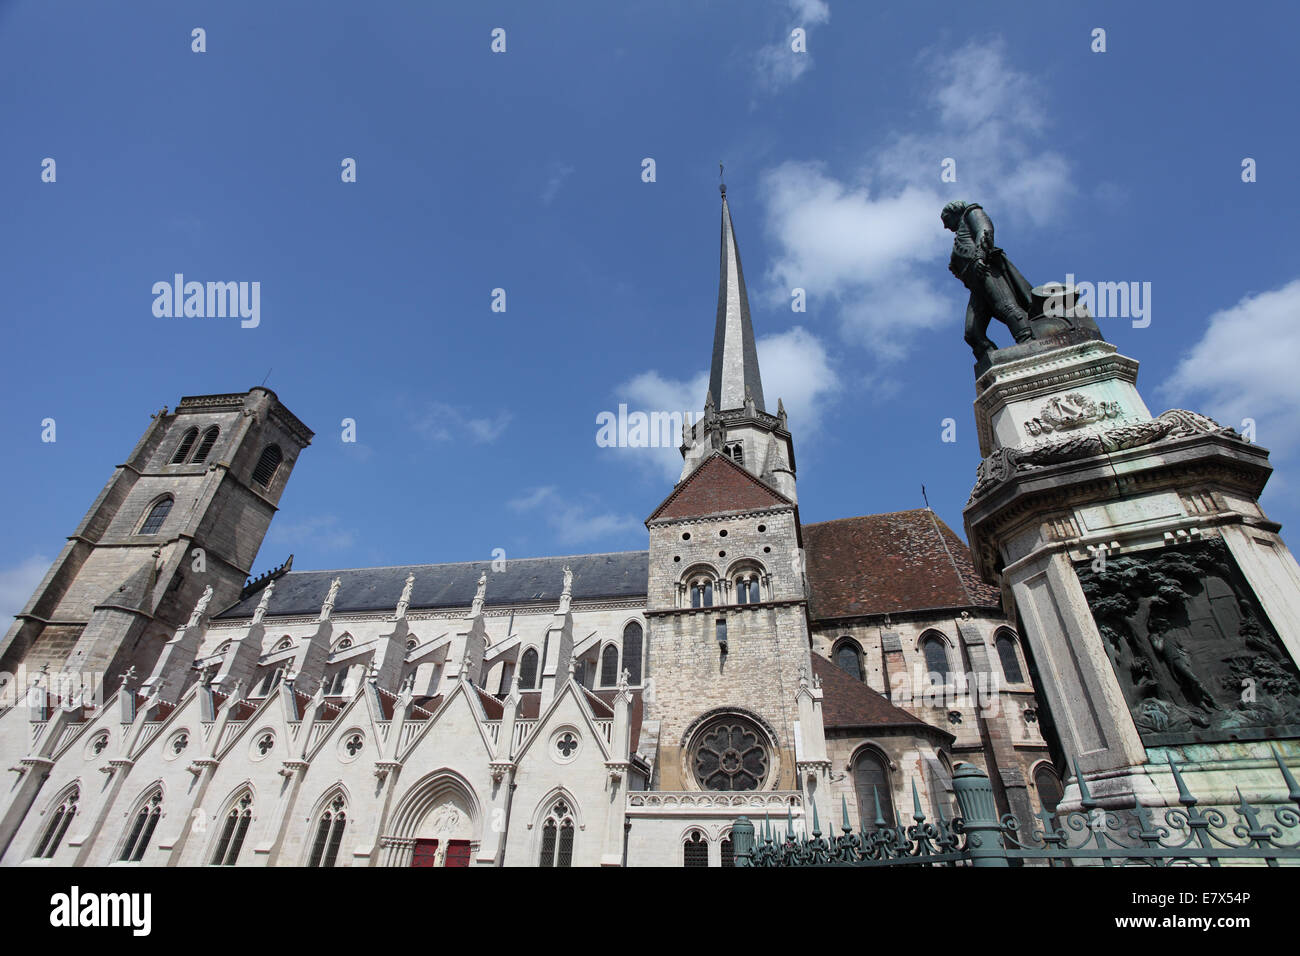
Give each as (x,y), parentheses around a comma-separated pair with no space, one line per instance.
(522,170)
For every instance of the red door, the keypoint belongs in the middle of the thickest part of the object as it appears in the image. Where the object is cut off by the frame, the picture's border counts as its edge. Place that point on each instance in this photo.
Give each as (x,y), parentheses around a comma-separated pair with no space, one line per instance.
(426,853)
(457,853)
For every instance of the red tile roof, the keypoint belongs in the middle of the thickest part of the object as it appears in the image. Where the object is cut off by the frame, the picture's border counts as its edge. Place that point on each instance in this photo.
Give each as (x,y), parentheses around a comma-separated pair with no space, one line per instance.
(493,709)
(718,485)
(847,702)
(886,564)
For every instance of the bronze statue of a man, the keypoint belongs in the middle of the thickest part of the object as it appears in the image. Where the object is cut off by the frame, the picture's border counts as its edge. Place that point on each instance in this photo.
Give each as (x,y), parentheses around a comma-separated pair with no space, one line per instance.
(997,289)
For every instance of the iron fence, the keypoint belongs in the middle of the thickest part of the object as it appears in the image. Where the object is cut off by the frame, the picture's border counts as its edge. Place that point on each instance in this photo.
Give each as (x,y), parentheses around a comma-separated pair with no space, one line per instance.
(1186,835)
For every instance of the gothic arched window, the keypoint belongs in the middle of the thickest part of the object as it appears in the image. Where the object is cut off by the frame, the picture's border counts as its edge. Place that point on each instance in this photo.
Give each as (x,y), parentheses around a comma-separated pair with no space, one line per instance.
(146,820)
(329,834)
(183,449)
(609,666)
(728,851)
(205,444)
(1006,645)
(871,780)
(1049,788)
(695,851)
(936,659)
(60,820)
(848,658)
(528,669)
(157,515)
(233,832)
(557,836)
(267,465)
(730,752)
(632,647)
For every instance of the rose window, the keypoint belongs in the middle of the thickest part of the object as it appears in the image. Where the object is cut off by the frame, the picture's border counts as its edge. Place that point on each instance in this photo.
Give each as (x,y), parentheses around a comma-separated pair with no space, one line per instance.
(730,754)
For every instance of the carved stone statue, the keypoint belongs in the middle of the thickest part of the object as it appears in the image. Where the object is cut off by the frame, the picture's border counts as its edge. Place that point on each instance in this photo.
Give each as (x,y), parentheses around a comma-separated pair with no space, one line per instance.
(263,604)
(997,289)
(327,608)
(201,607)
(404,601)
(479,595)
(566,596)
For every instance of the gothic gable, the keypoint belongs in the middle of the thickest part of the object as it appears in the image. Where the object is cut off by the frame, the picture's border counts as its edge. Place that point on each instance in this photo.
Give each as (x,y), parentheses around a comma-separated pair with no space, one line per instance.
(717,486)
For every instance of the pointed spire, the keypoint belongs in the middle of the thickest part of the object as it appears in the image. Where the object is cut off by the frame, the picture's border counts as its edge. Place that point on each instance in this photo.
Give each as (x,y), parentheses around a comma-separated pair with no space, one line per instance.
(734,374)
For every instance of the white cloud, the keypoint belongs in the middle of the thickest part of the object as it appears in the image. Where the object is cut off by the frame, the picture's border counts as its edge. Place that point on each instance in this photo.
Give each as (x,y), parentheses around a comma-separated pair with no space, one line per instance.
(796,369)
(573,522)
(438,421)
(1244,367)
(17,583)
(794,365)
(557,173)
(320,534)
(777,64)
(872,248)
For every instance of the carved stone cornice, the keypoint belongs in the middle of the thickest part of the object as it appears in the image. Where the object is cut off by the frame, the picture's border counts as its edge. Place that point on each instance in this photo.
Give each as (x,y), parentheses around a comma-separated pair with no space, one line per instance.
(721,515)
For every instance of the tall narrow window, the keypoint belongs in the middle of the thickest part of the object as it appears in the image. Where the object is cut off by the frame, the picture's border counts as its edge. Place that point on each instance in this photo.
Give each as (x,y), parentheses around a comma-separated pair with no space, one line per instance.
(871,780)
(632,650)
(183,449)
(528,669)
(329,834)
(848,658)
(695,851)
(728,851)
(609,666)
(233,832)
(1049,789)
(157,515)
(267,465)
(60,820)
(557,836)
(936,659)
(507,672)
(271,681)
(142,829)
(205,444)
(1010,660)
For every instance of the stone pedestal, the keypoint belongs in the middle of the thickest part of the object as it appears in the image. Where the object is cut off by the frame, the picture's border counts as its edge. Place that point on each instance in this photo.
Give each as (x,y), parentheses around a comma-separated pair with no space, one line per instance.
(1161,607)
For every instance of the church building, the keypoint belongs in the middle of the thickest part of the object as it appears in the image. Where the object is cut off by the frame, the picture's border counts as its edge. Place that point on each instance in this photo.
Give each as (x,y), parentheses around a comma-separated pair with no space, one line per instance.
(618,709)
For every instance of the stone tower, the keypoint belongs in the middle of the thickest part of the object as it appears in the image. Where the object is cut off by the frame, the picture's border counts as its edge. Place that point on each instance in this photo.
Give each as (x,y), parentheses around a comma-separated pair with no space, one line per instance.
(728,638)
(187,509)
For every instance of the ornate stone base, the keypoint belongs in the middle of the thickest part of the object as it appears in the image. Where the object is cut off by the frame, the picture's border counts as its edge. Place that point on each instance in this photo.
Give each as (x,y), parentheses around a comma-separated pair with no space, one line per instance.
(1159,604)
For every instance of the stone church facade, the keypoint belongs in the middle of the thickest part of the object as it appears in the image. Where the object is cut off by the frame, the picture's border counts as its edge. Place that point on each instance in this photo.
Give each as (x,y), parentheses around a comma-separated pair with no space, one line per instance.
(619,709)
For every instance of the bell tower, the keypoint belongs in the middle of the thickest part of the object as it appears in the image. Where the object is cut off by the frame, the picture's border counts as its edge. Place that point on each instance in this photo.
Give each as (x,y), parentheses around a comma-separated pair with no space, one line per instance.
(726,600)
(188,508)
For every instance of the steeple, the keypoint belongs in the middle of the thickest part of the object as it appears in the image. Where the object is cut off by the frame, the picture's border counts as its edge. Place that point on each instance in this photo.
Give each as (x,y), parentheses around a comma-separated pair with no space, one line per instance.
(735,359)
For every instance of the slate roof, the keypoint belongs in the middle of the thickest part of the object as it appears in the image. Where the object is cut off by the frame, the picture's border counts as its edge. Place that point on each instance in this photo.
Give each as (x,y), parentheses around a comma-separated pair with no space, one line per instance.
(849,703)
(890,563)
(621,574)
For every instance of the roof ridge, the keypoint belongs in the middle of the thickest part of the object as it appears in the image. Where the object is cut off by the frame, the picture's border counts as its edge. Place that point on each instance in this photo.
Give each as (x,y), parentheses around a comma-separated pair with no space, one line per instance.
(448,564)
(877,514)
